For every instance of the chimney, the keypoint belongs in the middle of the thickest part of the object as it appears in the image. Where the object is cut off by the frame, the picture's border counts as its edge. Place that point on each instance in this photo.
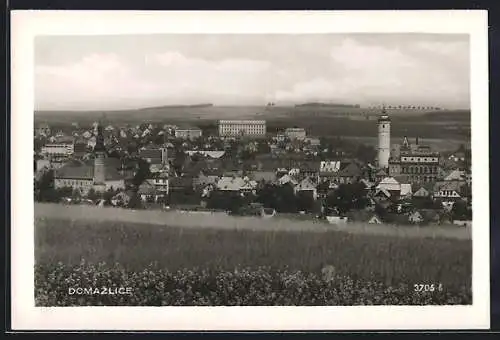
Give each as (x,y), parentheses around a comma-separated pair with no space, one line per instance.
(416,140)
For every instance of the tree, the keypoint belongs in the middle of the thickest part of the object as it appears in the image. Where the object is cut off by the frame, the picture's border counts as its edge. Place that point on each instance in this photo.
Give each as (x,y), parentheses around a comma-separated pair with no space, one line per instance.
(93,195)
(142,173)
(460,211)
(44,188)
(108,195)
(305,201)
(347,197)
(76,194)
(135,201)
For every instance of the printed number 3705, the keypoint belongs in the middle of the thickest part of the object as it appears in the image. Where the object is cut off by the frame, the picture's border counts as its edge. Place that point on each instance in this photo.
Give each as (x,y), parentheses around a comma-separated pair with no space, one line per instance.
(428,287)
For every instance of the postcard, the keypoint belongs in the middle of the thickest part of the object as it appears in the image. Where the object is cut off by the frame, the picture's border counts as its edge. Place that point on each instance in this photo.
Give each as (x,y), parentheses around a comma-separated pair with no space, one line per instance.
(250,170)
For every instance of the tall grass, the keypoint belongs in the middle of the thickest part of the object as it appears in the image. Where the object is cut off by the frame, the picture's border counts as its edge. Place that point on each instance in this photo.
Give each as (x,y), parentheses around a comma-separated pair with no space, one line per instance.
(372,257)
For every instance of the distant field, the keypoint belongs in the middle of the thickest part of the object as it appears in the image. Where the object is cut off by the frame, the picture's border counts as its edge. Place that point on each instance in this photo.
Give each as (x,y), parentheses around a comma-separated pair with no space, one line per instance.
(435,143)
(245,112)
(317,121)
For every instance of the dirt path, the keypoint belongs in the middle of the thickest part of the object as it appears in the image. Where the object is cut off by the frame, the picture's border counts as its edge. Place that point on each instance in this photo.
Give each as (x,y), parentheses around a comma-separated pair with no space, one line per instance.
(223,221)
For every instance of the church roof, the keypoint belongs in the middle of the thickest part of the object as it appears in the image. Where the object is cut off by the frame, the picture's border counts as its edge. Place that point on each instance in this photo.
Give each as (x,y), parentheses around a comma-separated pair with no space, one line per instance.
(85,170)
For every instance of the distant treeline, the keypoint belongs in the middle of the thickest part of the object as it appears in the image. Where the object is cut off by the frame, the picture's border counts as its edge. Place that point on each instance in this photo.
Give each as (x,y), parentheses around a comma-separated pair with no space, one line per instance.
(449,115)
(307,105)
(197,106)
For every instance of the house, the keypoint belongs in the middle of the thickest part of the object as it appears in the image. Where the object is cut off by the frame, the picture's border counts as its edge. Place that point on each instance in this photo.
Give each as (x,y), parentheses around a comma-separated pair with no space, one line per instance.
(206,177)
(449,190)
(349,173)
(328,170)
(79,174)
(309,169)
(463,223)
(380,175)
(206,153)
(188,132)
(323,189)
(287,179)
(313,141)
(375,219)
(91,142)
(329,166)
(405,190)
(422,192)
(338,220)
(415,217)
(268,212)
(236,184)
(42,130)
(455,175)
(160,182)
(382,196)
(148,193)
(389,184)
(180,184)
(306,185)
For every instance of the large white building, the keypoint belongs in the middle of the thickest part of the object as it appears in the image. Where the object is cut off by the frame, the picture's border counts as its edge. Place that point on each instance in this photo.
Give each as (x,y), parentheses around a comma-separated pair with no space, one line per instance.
(61,149)
(188,133)
(242,128)
(295,133)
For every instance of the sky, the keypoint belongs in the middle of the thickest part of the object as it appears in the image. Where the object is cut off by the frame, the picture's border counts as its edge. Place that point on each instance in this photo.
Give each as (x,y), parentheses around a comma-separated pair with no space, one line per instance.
(133,71)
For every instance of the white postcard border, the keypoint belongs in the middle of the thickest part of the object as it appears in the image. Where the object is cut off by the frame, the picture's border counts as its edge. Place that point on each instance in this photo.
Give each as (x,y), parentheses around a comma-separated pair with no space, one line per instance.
(27,24)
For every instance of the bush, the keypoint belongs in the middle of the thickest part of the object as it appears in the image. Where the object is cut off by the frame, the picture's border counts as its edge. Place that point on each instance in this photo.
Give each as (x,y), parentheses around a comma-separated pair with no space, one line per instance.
(260,286)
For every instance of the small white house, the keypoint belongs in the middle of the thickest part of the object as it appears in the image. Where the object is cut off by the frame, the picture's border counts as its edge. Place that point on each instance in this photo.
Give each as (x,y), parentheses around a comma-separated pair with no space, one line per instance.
(375,220)
(339,220)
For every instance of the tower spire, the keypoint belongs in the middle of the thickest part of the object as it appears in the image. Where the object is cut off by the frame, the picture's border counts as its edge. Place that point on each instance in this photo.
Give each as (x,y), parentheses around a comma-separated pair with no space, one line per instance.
(99,143)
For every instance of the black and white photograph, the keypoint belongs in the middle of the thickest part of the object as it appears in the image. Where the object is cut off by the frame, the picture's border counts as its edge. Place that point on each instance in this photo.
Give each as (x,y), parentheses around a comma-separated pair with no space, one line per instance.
(251,168)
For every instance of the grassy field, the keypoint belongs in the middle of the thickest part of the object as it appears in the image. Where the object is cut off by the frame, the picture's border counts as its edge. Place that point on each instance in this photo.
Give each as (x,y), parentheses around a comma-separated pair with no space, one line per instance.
(135,245)
(285,222)
(180,259)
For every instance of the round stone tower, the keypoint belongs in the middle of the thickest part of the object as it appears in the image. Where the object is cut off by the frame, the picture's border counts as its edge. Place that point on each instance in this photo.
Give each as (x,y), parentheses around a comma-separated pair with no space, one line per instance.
(99,166)
(384,140)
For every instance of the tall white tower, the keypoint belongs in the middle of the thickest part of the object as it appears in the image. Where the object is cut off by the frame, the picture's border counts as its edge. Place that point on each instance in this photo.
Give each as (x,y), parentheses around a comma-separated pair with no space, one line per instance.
(99,166)
(384,139)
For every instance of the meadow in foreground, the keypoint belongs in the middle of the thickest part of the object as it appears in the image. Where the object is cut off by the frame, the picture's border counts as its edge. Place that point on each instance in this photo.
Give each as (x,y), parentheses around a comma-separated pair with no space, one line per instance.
(243,267)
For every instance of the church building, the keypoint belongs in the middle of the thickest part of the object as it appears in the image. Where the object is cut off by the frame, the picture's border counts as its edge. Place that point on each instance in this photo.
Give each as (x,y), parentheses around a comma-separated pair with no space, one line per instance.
(101,174)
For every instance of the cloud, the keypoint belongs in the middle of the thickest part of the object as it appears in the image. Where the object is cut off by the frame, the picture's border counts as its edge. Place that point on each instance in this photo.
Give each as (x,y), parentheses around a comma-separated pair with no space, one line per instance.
(353,69)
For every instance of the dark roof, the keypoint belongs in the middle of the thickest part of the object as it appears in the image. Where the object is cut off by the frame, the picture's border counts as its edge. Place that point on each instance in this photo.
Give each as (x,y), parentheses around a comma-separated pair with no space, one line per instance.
(267,176)
(76,169)
(150,153)
(179,182)
(211,172)
(349,170)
